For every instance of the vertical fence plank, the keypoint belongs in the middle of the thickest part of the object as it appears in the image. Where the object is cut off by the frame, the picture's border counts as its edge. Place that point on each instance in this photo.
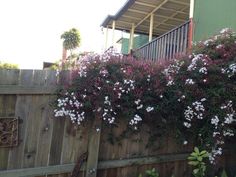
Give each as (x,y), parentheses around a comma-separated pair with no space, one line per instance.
(58,130)
(93,148)
(7,108)
(22,108)
(46,123)
(6,104)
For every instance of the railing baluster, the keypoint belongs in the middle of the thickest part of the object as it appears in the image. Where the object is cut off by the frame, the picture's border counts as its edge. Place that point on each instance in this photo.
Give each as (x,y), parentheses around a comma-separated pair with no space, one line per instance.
(182,39)
(185,38)
(171,45)
(166,46)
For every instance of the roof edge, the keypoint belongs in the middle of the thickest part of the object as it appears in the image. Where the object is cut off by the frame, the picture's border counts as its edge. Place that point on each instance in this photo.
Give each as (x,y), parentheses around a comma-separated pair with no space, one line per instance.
(120,12)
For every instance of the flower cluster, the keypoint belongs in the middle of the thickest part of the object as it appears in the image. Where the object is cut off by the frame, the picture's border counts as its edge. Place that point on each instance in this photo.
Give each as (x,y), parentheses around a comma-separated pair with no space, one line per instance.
(194,95)
(196,110)
(230,71)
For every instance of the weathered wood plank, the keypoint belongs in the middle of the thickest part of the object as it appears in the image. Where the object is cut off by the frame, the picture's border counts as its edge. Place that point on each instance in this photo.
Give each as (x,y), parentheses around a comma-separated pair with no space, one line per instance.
(22,109)
(7,108)
(27,90)
(34,120)
(93,148)
(101,165)
(9,76)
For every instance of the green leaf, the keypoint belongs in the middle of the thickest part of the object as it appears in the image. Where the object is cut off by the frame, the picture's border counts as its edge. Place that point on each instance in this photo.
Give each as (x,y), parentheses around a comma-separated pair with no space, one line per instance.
(194,163)
(224,174)
(192,158)
(203,152)
(196,150)
(199,158)
(194,154)
(195,171)
(205,155)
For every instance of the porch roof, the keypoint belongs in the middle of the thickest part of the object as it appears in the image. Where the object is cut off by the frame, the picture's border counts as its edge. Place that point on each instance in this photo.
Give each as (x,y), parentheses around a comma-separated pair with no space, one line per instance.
(167,15)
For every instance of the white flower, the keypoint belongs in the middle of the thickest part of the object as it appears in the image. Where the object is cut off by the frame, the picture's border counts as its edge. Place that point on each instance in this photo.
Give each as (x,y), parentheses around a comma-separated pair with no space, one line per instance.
(149,109)
(169,83)
(140,107)
(215,120)
(229,119)
(225,30)
(189,82)
(185,142)
(219,46)
(135,120)
(137,102)
(186,124)
(203,70)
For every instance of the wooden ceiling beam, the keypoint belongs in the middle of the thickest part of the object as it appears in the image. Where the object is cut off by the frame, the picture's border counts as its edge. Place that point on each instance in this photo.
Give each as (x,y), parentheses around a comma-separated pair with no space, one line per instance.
(172,18)
(173,10)
(168,18)
(145,4)
(137,11)
(154,10)
(131,17)
(180,2)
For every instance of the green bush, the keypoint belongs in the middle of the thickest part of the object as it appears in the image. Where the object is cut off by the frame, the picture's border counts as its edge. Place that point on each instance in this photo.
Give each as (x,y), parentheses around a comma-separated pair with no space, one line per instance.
(8,66)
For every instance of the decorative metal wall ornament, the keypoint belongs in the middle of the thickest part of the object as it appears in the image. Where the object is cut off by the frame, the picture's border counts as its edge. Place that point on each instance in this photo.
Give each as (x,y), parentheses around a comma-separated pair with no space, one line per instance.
(9,131)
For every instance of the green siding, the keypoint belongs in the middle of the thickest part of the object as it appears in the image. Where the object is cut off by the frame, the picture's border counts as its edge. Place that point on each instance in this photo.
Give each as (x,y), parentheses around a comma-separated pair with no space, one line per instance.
(139,41)
(210,16)
(125,46)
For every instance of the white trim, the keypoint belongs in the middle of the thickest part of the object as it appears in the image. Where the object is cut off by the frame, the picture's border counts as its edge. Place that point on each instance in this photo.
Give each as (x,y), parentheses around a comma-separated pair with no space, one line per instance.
(113,32)
(131,38)
(191,10)
(151,27)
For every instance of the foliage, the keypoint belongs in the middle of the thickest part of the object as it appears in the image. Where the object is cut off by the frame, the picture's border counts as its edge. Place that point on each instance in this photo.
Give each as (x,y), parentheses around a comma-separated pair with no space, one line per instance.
(196,159)
(192,97)
(71,39)
(151,173)
(8,66)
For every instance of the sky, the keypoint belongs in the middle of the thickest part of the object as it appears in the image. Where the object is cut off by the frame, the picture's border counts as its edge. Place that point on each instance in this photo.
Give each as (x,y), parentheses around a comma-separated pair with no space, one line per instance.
(30,30)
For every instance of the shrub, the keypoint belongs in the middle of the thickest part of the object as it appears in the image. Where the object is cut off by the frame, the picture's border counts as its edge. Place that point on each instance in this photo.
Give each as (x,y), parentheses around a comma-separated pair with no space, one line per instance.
(194,95)
(8,66)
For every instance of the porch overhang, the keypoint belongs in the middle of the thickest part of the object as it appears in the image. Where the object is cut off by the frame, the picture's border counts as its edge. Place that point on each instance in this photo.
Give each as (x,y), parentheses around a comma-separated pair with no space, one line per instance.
(167,14)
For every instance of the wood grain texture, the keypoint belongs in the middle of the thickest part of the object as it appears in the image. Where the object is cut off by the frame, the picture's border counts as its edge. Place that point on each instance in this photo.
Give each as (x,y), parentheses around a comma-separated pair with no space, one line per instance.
(50,146)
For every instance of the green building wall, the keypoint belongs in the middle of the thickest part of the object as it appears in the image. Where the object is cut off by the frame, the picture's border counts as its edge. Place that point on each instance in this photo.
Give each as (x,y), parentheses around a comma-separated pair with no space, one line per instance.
(210,16)
(139,41)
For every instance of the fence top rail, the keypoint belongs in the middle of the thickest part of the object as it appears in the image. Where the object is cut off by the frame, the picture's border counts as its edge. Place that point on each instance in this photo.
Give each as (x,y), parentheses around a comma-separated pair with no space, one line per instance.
(154,40)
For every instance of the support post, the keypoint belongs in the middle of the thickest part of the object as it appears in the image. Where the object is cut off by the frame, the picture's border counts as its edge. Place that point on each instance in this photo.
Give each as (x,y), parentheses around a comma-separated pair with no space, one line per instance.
(131,38)
(106,38)
(151,27)
(191,10)
(191,25)
(113,32)
(93,147)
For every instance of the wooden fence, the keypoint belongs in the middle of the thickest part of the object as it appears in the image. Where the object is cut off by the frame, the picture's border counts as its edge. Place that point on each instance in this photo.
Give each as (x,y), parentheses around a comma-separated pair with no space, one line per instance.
(167,46)
(50,147)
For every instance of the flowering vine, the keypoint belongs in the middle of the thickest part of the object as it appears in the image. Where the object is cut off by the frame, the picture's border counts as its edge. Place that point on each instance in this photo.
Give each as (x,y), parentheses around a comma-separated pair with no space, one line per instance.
(194,95)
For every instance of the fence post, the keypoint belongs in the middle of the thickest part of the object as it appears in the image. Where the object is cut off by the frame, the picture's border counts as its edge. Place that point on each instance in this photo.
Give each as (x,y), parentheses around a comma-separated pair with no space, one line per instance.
(93,147)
